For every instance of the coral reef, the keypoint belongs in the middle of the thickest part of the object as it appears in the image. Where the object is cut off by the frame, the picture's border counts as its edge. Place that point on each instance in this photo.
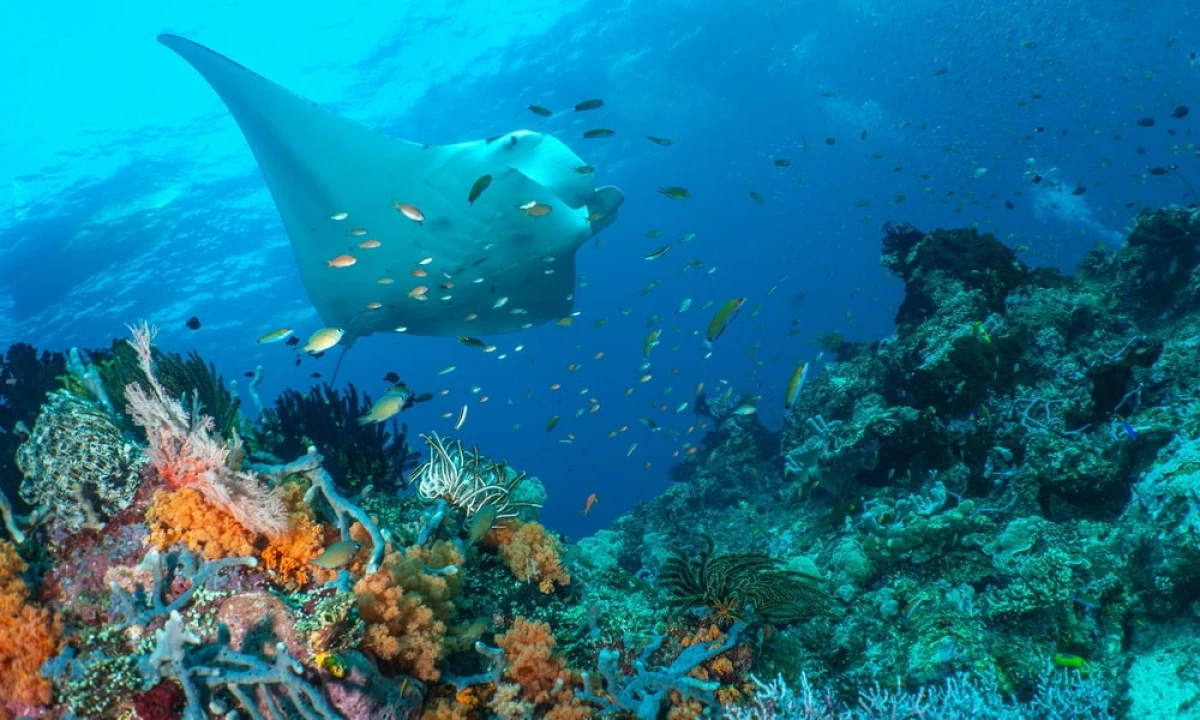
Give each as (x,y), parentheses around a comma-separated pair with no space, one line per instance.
(994,512)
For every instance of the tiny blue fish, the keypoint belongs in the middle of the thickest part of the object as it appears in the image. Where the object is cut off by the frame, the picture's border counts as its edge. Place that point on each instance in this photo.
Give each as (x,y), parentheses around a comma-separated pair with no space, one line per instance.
(1128,428)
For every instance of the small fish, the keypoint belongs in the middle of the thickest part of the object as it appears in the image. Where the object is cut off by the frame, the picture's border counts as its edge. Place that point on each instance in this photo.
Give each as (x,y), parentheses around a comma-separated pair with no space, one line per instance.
(651,342)
(500,302)
(744,410)
(419,292)
(447,370)
(795,385)
(536,209)
(339,216)
(726,313)
(322,340)
(586,105)
(553,423)
(540,111)
(587,504)
(675,192)
(275,336)
(585,169)
(338,555)
(333,663)
(658,252)
(472,342)
(384,408)
(193,323)
(412,212)
(632,447)
(293,341)
(478,187)
(462,418)
(660,140)
(341,261)
(756,197)
(1130,432)
(481,523)
(683,306)
(782,162)
(357,232)
(598,133)
(369,244)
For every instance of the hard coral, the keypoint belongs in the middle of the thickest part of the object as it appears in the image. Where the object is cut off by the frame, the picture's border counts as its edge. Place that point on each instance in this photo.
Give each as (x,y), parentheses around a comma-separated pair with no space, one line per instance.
(531,553)
(406,606)
(28,637)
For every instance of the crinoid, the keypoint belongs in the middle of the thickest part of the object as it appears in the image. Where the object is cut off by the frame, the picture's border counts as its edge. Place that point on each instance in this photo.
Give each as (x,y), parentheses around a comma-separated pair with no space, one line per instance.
(737,586)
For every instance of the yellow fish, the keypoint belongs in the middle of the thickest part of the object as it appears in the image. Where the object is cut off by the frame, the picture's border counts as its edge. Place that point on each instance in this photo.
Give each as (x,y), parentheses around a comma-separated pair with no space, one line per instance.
(384,408)
(338,555)
(721,319)
(322,340)
(275,336)
(795,385)
(651,342)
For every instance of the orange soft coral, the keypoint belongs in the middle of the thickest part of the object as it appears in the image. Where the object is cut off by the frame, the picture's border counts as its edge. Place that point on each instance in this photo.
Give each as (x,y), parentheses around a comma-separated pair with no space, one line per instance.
(186,517)
(529,649)
(542,676)
(531,553)
(28,636)
(406,606)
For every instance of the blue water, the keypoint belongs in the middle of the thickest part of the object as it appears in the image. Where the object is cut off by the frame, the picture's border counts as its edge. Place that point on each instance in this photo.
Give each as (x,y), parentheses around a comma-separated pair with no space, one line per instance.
(127,191)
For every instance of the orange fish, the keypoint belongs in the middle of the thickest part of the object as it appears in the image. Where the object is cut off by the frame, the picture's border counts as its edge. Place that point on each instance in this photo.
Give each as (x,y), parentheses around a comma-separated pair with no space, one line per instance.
(342,261)
(587,506)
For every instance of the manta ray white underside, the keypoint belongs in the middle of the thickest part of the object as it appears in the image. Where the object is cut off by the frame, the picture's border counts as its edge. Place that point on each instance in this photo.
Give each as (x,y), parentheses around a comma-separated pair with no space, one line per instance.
(469,268)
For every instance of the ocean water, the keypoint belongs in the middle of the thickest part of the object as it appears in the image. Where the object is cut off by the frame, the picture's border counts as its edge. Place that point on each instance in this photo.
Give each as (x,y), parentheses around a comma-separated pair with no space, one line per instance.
(127,192)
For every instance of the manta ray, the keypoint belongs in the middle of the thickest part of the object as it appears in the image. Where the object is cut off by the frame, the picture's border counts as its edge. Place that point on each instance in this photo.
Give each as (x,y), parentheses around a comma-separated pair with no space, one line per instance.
(474,238)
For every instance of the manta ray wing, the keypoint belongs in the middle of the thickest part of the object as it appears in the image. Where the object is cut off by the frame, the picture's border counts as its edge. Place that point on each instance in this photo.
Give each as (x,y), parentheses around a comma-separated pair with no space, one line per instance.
(461,268)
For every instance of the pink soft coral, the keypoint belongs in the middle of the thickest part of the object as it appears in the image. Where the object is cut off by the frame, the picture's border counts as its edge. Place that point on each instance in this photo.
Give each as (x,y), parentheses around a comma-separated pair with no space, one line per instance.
(184,453)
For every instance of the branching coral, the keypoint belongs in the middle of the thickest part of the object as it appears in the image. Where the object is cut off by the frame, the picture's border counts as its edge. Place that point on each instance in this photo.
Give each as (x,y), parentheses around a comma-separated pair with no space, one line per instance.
(531,553)
(406,606)
(28,637)
(184,453)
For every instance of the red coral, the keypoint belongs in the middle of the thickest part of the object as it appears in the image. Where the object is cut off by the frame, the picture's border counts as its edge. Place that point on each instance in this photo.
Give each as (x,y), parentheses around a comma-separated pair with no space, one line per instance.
(164,701)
